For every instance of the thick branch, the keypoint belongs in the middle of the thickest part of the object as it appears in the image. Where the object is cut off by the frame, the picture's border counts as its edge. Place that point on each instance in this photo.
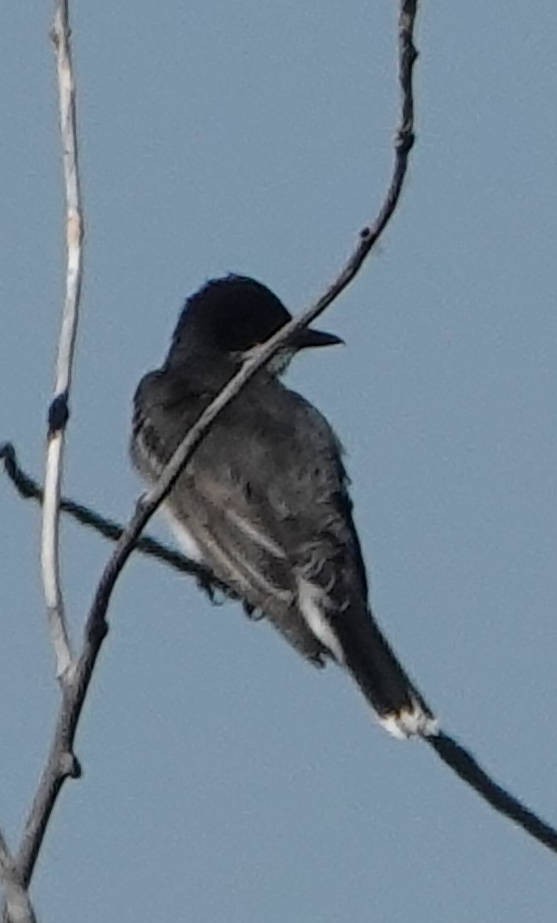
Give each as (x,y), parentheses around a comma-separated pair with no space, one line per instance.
(58,413)
(18,906)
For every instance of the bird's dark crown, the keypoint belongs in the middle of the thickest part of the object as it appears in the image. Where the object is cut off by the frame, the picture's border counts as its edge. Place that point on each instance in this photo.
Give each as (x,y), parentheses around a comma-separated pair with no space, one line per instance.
(229,315)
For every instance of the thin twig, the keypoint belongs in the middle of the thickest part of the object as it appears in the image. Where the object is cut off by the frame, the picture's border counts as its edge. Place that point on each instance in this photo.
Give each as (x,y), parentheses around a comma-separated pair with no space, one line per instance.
(467,768)
(18,906)
(28,488)
(59,412)
(61,761)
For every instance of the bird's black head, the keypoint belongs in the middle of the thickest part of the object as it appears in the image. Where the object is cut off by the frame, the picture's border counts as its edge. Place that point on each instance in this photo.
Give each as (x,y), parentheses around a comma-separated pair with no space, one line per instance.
(232,315)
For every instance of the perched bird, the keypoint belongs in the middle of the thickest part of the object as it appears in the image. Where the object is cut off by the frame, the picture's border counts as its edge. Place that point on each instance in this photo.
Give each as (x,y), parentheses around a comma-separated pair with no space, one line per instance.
(263,502)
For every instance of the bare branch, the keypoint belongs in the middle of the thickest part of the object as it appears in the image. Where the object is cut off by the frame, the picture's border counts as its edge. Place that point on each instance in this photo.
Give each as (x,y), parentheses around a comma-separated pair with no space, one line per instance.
(58,413)
(60,765)
(404,142)
(18,906)
(61,761)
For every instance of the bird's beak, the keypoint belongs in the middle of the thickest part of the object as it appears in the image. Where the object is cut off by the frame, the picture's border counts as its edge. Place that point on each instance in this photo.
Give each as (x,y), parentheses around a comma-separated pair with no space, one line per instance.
(307,337)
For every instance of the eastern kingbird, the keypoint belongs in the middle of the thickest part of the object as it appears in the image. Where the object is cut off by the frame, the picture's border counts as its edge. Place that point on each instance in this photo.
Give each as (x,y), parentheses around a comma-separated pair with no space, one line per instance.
(263,502)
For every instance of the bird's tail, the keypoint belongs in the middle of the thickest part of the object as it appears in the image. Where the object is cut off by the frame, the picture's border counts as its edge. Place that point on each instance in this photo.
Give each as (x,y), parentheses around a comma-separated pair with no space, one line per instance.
(400,707)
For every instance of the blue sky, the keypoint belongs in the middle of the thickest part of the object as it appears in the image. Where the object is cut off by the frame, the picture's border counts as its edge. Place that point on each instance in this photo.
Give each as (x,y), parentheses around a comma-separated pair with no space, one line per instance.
(225,780)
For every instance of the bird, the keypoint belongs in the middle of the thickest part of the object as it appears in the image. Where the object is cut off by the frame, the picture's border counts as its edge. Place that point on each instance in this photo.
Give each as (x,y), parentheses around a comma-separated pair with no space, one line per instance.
(264,503)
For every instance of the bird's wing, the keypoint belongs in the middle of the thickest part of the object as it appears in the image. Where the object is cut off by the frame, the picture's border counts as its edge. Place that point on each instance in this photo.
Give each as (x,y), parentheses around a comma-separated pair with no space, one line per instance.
(265,501)
(270,481)
(228,507)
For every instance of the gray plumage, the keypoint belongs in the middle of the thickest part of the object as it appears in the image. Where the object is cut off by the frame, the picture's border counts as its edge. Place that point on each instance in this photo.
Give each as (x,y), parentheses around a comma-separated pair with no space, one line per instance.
(264,500)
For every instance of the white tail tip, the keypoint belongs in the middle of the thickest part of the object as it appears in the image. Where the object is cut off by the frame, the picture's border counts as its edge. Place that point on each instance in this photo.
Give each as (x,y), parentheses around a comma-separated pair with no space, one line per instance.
(414,722)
